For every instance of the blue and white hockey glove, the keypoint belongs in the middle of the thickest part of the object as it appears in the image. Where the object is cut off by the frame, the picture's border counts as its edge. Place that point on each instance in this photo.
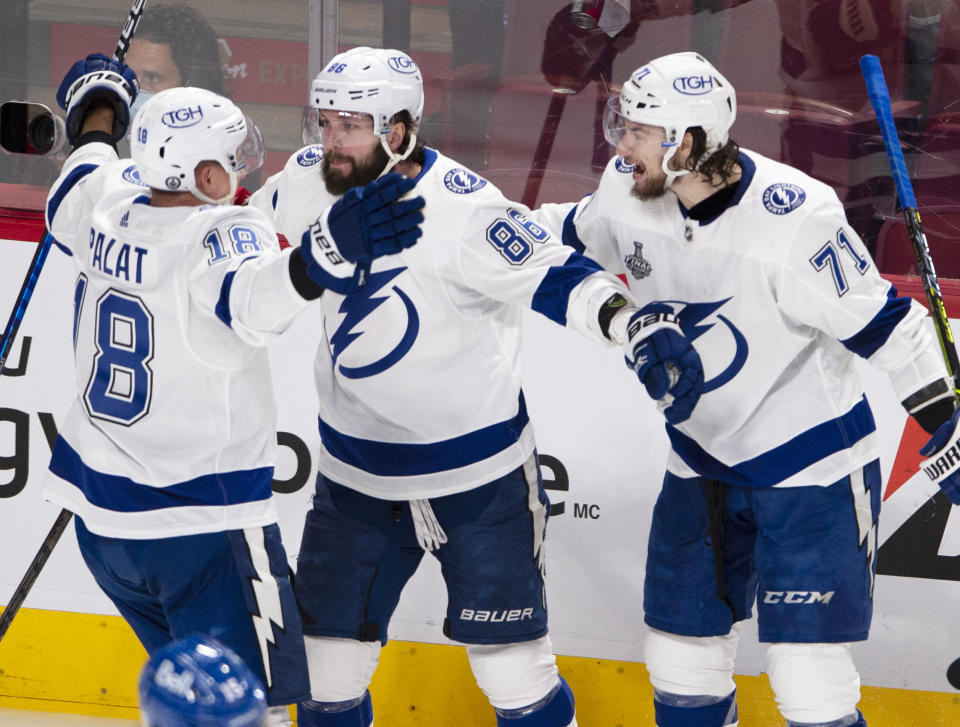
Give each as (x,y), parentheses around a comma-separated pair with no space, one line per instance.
(327,267)
(943,453)
(94,78)
(665,360)
(371,221)
(366,223)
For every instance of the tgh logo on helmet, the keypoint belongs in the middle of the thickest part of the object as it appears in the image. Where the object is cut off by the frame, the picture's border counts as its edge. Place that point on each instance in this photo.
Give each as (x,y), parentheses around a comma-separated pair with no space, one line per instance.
(181,118)
(693,85)
(403,64)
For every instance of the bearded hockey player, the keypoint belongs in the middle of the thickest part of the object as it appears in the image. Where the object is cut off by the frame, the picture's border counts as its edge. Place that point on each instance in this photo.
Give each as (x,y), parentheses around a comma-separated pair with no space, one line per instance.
(426,445)
(773,483)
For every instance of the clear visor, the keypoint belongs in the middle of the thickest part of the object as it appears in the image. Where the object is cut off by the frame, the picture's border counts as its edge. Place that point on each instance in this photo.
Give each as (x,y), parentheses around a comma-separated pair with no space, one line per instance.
(348,121)
(310,125)
(251,153)
(614,123)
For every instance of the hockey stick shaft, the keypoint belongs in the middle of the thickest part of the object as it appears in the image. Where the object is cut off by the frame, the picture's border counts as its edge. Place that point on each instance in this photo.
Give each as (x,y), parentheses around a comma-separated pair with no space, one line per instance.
(129,28)
(43,247)
(23,298)
(36,565)
(880,100)
(16,316)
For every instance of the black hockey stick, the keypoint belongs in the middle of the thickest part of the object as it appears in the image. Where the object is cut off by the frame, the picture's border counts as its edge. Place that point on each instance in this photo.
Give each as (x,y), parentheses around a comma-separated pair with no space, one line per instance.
(19,308)
(880,100)
(43,247)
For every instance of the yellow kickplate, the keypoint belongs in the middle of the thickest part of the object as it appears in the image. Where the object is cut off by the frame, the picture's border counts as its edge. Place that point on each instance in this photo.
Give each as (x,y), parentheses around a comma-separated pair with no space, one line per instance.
(55,661)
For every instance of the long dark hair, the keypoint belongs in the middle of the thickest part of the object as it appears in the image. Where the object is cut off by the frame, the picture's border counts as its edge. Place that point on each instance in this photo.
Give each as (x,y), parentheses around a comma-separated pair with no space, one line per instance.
(722,163)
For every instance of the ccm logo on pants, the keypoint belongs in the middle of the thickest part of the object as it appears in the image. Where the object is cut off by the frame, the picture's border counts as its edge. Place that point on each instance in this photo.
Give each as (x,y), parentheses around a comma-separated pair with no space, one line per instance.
(802,598)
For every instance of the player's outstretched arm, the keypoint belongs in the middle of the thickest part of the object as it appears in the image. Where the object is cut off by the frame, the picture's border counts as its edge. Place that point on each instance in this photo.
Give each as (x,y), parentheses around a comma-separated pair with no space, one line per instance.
(366,223)
(664,359)
(97,80)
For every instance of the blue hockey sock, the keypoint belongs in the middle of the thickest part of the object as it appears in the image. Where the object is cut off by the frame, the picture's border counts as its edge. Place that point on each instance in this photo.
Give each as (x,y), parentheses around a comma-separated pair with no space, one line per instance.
(353,713)
(851,720)
(679,710)
(554,710)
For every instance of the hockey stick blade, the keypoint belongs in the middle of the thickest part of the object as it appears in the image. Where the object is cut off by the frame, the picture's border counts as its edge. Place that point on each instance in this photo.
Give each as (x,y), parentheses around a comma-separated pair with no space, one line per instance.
(880,100)
(16,316)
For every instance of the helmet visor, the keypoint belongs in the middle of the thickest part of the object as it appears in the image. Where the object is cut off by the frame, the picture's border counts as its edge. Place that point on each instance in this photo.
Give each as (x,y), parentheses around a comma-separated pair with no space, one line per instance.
(614,123)
(251,153)
(310,125)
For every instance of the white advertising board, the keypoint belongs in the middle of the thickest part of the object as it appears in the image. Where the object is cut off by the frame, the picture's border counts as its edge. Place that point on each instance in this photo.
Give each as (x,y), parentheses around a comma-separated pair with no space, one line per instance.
(603,447)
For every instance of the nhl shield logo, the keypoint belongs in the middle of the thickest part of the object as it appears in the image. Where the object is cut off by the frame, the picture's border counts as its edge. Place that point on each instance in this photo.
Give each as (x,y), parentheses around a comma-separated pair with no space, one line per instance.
(638,267)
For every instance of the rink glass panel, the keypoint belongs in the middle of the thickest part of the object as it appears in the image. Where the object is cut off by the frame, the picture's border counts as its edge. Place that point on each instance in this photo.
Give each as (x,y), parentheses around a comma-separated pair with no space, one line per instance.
(514,88)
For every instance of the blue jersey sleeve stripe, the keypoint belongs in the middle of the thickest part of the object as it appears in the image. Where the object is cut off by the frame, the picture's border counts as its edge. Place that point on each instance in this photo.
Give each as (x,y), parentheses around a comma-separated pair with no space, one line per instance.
(66,185)
(553,293)
(569,234)
(781,462)
(121,494)
(273,201)
(877,331)
(222,309)
(402,459)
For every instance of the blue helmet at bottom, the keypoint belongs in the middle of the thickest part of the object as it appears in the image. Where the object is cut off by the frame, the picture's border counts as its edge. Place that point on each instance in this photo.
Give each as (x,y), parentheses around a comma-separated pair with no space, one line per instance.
(198,682)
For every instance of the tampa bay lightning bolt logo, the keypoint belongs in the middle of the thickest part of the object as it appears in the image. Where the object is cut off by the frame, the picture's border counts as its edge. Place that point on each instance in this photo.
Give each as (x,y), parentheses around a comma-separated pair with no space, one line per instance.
(781,198)
(310,156)
(355,308)
(460,181)
(132,175)
(693,320)
(622,166)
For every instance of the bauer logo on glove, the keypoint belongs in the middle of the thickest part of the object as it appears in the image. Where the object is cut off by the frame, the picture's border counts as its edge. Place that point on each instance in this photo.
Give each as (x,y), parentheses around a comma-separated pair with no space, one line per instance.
(324,246)
(97,78)
(664,359)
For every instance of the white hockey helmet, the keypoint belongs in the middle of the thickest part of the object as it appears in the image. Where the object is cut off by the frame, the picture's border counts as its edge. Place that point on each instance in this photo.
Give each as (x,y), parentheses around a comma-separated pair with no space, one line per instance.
(377,81)
(180,127)
(675,92)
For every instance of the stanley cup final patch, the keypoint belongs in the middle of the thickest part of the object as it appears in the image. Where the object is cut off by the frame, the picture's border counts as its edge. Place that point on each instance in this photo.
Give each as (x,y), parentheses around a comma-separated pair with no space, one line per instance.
(636,264)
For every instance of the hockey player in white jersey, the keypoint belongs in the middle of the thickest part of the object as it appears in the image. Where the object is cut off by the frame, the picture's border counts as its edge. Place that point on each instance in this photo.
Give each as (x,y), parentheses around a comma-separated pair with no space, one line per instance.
(425,441)
(167,454)
(772,488)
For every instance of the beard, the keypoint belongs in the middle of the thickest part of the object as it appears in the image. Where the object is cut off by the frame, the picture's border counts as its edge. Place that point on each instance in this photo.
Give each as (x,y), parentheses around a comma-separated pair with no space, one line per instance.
(361,173)
(653,187)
